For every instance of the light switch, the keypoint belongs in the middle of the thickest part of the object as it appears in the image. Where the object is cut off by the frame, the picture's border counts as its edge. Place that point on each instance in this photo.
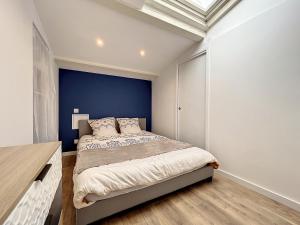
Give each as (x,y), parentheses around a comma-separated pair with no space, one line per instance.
(76,110)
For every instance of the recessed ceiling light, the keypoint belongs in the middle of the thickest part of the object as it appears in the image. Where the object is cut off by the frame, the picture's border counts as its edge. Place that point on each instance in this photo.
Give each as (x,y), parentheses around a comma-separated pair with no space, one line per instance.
(99,42)
(142,53)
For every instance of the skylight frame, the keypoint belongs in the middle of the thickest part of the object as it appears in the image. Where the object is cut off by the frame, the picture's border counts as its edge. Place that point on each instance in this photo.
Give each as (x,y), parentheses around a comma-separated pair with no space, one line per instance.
(182,16)
(191,4)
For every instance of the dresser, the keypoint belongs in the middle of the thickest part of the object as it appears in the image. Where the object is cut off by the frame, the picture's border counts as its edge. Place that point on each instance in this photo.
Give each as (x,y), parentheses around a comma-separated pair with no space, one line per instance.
(30,184)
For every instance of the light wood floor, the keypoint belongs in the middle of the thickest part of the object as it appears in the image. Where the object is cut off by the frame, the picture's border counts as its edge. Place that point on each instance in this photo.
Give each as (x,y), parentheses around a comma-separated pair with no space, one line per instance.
(220,202)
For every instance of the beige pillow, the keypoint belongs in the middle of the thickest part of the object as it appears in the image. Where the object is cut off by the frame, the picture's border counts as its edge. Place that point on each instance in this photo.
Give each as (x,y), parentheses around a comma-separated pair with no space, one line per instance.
(105,127)
(129,125)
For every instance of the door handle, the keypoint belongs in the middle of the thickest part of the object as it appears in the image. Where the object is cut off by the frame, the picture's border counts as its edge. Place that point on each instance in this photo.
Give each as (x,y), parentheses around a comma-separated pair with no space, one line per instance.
(179,108)
(43,173)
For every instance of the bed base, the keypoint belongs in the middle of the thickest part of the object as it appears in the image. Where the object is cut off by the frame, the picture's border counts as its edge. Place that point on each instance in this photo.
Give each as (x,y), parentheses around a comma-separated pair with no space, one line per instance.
(110,206)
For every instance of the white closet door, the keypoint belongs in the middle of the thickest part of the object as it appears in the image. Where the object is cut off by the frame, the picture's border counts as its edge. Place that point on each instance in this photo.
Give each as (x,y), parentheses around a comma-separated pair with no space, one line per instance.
(192,101)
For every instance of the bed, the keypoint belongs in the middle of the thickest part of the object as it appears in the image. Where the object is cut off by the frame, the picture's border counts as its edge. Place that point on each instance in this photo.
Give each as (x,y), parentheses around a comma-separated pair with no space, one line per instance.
(117,173)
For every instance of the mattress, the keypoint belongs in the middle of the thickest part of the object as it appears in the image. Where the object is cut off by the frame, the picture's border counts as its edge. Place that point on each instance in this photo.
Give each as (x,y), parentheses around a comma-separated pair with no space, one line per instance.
(110,180)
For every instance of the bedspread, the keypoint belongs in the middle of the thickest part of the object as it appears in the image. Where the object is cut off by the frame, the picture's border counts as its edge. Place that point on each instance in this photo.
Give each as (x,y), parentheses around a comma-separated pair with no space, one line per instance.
(109,180)
(92,158)
(91,142)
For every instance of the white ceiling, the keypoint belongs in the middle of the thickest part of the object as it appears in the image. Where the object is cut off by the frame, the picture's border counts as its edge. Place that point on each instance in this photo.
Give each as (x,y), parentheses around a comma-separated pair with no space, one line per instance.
(72,27)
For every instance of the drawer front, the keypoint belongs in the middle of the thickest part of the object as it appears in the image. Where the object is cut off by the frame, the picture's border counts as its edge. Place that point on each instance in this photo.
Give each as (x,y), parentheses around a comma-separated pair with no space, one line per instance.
(34,206)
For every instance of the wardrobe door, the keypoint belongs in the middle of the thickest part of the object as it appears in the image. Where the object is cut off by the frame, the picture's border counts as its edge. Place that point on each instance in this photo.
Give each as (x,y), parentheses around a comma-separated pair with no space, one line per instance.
(192,101)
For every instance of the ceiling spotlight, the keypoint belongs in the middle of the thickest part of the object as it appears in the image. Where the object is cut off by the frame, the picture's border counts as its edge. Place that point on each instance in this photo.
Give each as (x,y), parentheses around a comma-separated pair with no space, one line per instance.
(142,53)
(99,42)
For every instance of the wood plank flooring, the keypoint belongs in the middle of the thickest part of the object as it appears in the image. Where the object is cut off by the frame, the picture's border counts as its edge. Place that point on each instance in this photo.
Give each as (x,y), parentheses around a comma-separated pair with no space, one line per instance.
(220,202)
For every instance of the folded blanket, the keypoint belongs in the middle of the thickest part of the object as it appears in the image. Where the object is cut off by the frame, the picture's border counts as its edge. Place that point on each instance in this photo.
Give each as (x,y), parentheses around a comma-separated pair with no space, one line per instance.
(94,158)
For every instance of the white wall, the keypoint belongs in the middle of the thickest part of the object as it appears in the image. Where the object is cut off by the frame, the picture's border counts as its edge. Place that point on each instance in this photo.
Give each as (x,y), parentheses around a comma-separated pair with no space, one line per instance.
(164,103)
(253,69)
(16,71)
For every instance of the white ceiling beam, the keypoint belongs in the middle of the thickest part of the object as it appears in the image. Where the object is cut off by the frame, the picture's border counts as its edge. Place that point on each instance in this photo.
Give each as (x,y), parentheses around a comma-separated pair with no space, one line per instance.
(154,16)
(175,22)
(179,16)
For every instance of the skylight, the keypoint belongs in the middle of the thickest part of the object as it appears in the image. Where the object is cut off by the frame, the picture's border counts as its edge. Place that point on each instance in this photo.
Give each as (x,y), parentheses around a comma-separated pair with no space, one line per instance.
(192,18)
(202,4)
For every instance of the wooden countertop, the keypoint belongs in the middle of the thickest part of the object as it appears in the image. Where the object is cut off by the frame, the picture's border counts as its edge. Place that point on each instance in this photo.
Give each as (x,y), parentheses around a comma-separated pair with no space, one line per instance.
(19,166)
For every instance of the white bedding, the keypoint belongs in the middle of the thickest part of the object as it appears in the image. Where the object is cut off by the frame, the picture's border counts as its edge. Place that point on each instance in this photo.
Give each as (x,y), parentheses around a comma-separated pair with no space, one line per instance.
(117,178)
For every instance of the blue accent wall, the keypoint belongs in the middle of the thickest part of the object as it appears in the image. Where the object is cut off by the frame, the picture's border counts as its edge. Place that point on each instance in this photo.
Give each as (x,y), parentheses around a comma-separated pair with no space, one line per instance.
(99,96)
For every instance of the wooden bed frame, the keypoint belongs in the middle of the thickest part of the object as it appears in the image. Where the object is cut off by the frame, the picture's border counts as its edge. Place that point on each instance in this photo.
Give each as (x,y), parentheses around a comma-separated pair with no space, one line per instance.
(106,207)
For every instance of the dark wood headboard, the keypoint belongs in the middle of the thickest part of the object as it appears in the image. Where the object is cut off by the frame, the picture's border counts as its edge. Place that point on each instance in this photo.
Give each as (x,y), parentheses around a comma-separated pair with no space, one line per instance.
(85,128)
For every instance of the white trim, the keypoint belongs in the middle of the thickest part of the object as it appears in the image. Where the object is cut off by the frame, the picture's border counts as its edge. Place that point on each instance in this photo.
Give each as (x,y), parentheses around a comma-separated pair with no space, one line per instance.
(207,102)
(215,16)
(193,6)
(177,102)
(208,99)
(180,25)
(187,59)
(262,190)
(66,63)
(69,153)
(177,12)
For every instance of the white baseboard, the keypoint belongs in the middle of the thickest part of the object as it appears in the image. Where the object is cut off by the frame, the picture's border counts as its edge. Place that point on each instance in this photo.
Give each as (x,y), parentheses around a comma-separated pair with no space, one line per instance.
(69,153)
(273,195)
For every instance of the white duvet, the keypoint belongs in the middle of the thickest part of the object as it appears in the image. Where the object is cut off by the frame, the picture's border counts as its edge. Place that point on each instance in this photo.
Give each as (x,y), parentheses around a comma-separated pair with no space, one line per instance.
(117,178)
